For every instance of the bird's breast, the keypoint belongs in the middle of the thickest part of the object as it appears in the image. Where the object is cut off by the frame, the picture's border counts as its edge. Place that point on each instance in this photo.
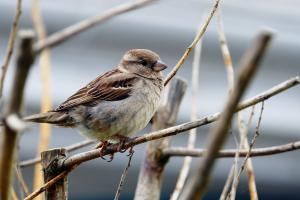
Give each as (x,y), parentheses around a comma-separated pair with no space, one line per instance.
(124,117)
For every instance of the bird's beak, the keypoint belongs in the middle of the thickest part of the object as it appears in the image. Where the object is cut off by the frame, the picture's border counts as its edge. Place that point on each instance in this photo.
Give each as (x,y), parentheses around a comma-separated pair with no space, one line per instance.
(159,66)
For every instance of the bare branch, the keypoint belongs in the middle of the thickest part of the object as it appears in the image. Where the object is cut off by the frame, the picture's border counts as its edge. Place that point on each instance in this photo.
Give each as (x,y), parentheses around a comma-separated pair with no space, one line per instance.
(75,160)
(196,186)
(193,44)
(193,132)
(21,181)
(225,52)
(242,129)
(81,26)
(229,153)
(230,78)
(8,139)
(72,147)
(228,183)
(46,104)
(10,46)
(257,133)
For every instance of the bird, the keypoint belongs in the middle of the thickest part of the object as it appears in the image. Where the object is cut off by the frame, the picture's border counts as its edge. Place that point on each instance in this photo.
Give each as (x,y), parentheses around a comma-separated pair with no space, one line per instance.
(115,105)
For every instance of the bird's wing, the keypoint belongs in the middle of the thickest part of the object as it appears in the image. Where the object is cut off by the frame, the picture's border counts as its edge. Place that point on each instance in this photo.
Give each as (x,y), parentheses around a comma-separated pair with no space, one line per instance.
(111,86)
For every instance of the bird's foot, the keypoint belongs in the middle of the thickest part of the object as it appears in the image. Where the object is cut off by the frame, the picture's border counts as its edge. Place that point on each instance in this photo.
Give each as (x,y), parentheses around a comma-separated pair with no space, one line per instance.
(122,148)
(102,146)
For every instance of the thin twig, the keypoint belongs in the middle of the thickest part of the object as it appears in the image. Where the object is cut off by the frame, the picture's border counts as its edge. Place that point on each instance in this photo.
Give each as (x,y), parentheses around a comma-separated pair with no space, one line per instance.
(192,135)
(21,181)
(244,143)
(46,104)
(199,180)
(230,78)
(93,154)
(124,174)
(10,46)
(257,133)
(193,44)
(225,51)
(70,148)
(228,183)
(249,166)
(81,26)
(229,153)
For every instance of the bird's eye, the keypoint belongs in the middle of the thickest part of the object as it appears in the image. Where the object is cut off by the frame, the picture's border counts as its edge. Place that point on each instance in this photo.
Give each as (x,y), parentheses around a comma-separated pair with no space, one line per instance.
(143,62)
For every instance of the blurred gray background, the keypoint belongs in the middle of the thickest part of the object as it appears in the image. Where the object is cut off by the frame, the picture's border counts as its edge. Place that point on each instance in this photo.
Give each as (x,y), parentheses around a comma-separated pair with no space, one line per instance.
(168,27)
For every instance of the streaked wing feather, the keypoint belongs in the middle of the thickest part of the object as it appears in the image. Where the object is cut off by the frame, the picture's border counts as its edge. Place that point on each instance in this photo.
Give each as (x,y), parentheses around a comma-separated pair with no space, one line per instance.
(111,86)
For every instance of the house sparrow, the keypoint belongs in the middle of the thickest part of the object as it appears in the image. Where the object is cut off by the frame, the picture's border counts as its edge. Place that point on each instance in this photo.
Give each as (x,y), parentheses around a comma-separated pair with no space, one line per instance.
(116,104)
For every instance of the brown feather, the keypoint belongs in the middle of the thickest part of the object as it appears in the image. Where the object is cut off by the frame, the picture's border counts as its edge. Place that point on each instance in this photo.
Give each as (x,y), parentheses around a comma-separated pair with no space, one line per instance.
(112,86)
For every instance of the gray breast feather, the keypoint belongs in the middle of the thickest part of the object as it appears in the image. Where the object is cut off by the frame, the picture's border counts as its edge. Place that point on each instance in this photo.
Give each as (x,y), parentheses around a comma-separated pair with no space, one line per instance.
(124,117)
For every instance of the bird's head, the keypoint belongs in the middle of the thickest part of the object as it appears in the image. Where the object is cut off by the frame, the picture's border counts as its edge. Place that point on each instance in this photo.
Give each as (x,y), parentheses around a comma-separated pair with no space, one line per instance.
(142,62)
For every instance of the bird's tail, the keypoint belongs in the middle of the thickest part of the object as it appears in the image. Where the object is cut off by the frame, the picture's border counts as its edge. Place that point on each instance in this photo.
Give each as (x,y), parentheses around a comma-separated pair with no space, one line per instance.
(56,118)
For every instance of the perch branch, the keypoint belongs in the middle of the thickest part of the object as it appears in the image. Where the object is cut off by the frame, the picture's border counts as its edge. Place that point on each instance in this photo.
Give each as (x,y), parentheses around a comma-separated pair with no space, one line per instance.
(73,147)
(193,44)
(93,154)
(11,43)
(81,26)
(199,180)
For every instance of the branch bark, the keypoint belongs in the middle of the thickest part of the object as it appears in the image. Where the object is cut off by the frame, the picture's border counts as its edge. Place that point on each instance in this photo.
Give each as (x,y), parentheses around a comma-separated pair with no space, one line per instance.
(199,180)
(152,170)
(9,137)
(50,159)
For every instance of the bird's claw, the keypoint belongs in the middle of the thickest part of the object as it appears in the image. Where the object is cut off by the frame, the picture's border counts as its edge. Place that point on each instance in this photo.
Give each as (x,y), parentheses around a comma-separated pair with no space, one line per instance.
(102,146)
